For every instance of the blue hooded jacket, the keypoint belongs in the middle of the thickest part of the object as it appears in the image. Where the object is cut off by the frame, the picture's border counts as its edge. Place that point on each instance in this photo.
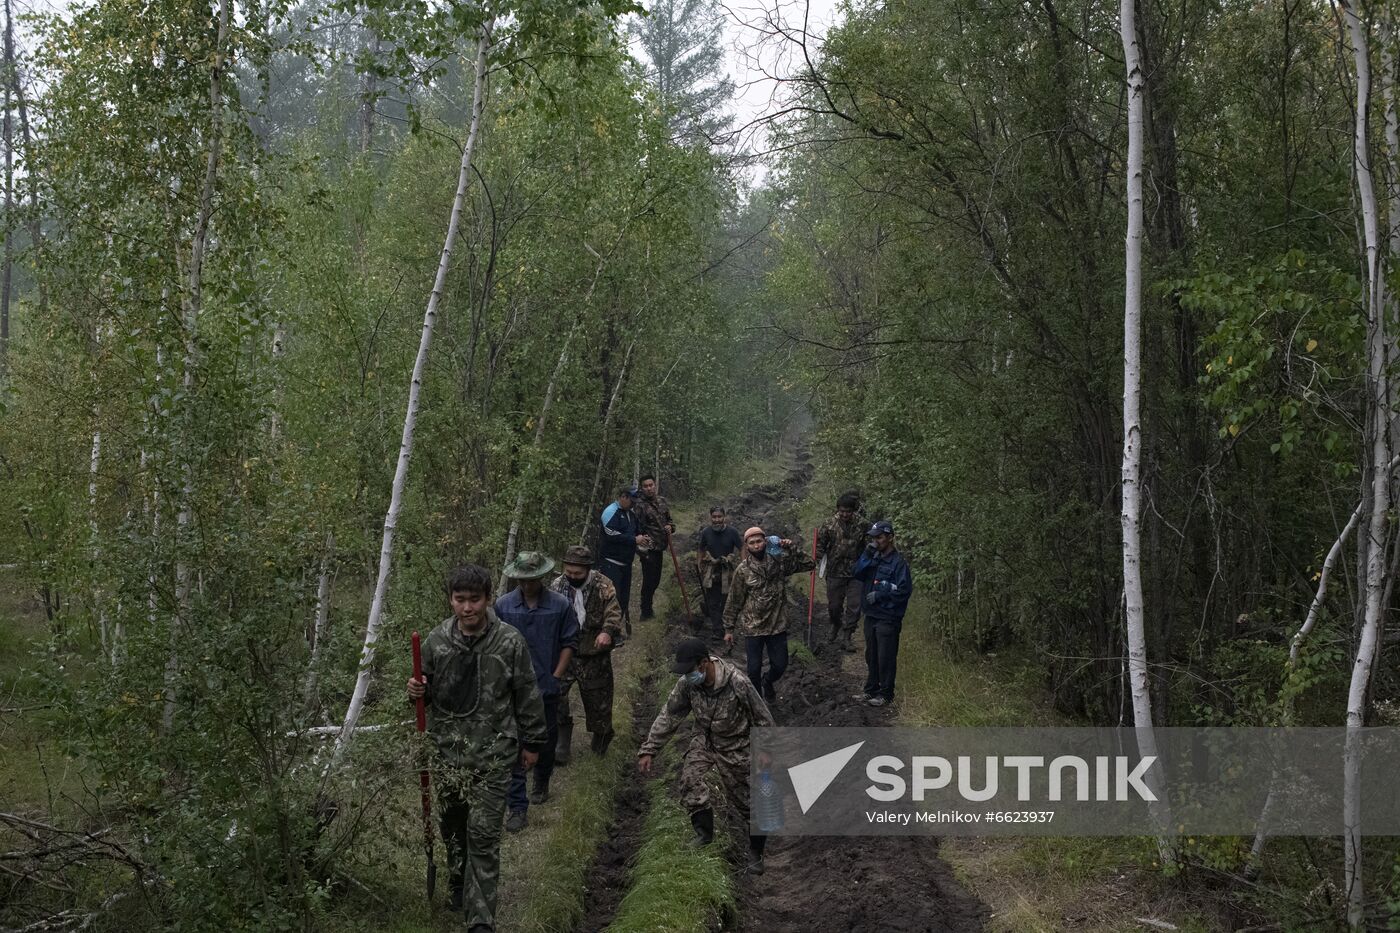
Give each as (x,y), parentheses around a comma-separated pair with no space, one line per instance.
(887,577)
(618,542)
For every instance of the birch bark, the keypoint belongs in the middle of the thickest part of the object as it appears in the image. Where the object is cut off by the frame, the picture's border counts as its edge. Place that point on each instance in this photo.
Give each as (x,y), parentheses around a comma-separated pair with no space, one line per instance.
(1138,680)
(391,518)
(193,305)
(1378,467)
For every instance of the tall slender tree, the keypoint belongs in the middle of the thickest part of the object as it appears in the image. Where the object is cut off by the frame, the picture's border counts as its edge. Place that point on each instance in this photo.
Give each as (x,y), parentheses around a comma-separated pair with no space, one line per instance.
(682,41)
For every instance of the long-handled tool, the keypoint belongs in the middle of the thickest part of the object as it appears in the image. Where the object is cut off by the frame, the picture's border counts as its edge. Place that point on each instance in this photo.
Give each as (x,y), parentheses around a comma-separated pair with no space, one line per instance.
(423,778)
(671,546)
(812,589)
(704,599)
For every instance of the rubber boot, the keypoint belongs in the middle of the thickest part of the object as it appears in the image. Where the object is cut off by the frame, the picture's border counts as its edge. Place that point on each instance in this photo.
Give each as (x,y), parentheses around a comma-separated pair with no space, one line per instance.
(563,745)
(756,844)
(835,634)
(846,644)
(540,794)
(600,743)
(704,823)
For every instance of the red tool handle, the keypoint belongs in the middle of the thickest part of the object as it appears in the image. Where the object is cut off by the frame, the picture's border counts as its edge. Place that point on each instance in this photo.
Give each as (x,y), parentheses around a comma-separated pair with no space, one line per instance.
(418,675)
(424,779)
(670,546)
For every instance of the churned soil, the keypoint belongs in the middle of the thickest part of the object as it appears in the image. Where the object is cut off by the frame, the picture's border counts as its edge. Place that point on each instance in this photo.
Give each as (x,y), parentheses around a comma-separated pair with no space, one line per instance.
(849,884)
(812,884)
(607,877)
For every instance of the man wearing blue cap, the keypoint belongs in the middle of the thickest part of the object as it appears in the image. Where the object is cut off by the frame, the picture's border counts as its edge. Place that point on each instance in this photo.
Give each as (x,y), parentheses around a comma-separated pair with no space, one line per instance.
(886,587)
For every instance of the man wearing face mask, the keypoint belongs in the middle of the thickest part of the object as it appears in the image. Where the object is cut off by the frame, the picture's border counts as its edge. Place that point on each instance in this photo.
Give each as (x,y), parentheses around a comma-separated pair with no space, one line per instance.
(600,628)
(726,708)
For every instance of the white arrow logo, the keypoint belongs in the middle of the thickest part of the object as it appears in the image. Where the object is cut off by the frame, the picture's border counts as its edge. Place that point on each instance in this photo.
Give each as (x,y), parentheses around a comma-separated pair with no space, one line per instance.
(811,778)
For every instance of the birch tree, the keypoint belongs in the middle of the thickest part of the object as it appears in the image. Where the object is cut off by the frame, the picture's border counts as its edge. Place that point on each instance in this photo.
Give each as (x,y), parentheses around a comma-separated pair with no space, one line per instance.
(391,518)
(1138,677)
(1377,466)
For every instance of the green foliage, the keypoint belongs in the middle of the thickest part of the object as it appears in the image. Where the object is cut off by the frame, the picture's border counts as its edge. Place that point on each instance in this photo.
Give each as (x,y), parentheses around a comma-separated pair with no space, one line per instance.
(190,456)
(1286,349)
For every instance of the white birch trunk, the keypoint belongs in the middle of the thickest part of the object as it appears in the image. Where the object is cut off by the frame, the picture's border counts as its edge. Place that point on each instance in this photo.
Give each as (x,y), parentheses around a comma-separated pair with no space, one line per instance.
(637,460)
(391,518)
(193,303)
(1378,427)
(279,339)
(94,545)
(1132,426)
(318,630)
(1392,148)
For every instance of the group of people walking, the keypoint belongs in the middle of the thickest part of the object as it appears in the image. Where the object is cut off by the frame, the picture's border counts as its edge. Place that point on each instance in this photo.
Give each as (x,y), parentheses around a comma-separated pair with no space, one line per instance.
(497,676)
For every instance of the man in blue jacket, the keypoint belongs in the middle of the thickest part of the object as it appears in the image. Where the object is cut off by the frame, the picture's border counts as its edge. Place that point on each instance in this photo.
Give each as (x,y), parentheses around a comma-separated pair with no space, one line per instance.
(886,585)
(617,546)
(550,626)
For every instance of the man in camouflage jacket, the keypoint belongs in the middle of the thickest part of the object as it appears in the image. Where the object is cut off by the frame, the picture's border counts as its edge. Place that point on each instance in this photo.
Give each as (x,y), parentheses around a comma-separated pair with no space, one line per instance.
(841,541)
(726,707)
(654,517)
(757,606)
(600,620)
(484,713)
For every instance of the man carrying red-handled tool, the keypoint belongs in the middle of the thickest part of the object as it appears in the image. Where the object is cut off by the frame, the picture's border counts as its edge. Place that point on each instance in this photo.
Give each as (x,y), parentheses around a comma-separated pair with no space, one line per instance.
(839,543)
(484,713)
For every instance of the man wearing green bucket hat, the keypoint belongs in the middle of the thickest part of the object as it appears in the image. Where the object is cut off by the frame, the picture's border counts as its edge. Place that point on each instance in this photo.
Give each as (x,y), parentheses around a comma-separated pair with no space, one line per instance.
(551,631)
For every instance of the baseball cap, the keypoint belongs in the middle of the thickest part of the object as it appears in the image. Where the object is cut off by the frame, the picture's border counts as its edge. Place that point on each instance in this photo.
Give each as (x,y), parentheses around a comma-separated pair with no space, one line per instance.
(690,652)
(880,528)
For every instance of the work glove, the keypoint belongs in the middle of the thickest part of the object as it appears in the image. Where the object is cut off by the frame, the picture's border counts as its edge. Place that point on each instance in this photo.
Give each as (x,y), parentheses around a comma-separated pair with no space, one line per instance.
(871,550)
(881,589)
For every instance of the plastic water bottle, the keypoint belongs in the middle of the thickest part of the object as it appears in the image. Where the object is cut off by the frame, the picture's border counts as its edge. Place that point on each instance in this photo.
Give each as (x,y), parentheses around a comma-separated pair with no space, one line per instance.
(769,805)
(775,546)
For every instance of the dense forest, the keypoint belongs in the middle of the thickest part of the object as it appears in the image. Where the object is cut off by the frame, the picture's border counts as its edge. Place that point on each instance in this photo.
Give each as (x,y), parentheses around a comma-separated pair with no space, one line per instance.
(304,304)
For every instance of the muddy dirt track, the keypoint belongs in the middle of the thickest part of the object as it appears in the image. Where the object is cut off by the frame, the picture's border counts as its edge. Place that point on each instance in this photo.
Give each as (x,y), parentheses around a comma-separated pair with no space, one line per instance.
(813,884)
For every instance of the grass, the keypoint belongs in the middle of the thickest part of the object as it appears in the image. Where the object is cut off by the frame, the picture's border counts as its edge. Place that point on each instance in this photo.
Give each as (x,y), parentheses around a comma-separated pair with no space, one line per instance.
(935,690)
(549,863)
(675,888)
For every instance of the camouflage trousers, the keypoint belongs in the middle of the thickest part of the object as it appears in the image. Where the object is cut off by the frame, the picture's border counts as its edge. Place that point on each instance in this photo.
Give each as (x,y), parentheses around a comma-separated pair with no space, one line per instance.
(471,806)
(843,604)
(730,769)
(594,676)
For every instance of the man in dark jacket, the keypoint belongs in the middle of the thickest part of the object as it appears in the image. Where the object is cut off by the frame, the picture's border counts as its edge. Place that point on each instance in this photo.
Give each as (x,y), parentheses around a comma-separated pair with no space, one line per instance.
(654,516)
(886,587)
(839,543)
(719,552)
(617,546)
(550,627)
